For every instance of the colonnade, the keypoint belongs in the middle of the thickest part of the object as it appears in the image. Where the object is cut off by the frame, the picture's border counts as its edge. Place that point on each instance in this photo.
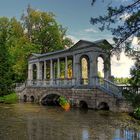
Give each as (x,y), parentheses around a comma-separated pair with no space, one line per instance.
(52,72)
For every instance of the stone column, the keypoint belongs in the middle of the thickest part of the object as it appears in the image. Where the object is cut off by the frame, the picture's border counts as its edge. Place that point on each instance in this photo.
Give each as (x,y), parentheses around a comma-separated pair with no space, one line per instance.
(38,71)
(94,72)
(73,67)
(58,68)
(77,71)
(30,72)
(66,67)
(107,68)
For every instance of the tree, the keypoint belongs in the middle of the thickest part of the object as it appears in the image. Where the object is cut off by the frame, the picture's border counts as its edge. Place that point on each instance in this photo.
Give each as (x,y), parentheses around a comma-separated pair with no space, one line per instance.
(5,66)
(37,33)
(43,30)
(127,17)
(135,74)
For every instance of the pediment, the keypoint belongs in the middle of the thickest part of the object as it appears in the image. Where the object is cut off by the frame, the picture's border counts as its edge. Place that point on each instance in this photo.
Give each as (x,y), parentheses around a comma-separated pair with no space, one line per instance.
(33,56)
(102,44)
(81,44)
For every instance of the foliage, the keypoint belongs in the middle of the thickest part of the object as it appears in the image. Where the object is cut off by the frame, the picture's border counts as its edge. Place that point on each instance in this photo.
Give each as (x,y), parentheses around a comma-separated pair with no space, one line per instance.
(137,113)
(132,96)
(9,99)
(64,103)
(5,66)
(37,32)
(126,16)
(121,80)
(43,30)
(62,100)
(135,74)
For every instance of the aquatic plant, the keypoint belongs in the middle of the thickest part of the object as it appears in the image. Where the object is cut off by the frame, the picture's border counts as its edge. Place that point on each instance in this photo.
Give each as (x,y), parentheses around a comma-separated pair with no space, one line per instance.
(64,103)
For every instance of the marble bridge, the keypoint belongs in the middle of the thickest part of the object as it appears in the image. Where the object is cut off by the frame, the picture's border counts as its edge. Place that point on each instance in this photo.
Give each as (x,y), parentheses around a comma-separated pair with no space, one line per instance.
(73,73)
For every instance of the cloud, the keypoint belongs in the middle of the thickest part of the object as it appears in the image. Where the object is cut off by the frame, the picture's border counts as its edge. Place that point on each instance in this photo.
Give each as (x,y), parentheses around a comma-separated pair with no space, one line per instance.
(135,44)
(125,16)
(90,30)
(73,38)
(122,67)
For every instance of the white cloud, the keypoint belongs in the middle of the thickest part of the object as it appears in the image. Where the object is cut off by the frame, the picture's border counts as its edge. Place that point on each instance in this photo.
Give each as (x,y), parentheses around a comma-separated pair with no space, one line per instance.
(122,67)
(125,16)
(73,38)
(135,43)
(90,30)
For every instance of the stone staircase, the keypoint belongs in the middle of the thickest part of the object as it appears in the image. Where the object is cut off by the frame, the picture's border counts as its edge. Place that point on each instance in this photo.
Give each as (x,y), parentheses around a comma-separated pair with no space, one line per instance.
(109,87)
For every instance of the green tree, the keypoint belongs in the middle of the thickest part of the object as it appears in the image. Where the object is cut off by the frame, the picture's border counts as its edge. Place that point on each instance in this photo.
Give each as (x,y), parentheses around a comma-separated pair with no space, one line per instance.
(127,19)
(43,30)
(135,74)
(38,32)
(5,66)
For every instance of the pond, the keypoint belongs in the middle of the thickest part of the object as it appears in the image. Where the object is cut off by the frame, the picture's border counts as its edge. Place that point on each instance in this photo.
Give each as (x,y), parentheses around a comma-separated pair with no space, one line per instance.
(36,122)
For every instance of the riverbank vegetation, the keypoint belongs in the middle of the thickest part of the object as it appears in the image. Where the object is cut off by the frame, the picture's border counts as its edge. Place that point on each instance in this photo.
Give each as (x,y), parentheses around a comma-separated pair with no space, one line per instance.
(9,99)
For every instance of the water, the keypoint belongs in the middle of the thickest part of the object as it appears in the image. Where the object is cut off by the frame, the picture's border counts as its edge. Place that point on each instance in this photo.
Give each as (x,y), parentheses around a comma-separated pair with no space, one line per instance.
(36,122)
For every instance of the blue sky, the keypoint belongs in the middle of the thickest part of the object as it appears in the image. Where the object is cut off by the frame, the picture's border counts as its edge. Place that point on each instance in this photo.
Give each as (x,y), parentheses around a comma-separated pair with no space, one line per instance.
(73,14)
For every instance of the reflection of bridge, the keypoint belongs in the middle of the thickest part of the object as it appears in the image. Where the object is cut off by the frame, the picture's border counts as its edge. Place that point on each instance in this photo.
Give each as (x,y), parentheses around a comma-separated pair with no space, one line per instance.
(73,73)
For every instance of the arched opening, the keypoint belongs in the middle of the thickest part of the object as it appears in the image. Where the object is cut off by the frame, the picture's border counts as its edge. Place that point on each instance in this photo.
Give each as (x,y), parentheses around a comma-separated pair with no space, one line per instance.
(100,68)
(32,98)
(83,105)
(103,106)
(34,72)
(50,100)
(25,98)
(84,70)
(42,69)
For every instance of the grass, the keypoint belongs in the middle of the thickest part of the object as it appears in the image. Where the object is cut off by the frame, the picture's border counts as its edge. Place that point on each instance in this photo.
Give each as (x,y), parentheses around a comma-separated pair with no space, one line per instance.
(9,99)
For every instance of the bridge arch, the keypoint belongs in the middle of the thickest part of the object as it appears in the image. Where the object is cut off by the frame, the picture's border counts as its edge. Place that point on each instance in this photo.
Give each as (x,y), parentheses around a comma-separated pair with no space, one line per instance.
(103,65)
(25,98)
(50,99)
(100,65)
(84,69)
(83,104)
(32,98)
(103,106)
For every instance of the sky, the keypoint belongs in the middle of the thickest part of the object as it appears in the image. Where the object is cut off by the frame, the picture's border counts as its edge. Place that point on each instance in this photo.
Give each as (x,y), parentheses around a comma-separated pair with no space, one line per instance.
(75,16)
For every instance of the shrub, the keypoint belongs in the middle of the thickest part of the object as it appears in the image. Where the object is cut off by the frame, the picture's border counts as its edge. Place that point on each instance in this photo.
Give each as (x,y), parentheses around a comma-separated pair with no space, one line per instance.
(137,113)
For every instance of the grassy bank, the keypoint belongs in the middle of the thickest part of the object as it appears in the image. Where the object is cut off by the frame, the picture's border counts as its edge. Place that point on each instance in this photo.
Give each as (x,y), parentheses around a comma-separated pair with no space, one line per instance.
(9,99)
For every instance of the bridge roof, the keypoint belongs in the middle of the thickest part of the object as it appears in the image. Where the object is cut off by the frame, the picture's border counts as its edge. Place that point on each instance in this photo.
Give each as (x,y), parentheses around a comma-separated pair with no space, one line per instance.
(103,44)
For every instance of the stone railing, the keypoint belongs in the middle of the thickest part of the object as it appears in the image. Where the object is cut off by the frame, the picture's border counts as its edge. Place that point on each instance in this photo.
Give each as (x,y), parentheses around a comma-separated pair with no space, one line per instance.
(52,83)
(109,87)
(20,86)
(125,88)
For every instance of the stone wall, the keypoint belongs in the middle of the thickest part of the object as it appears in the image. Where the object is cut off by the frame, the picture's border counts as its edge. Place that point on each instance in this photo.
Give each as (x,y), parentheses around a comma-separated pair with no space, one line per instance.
(93,97)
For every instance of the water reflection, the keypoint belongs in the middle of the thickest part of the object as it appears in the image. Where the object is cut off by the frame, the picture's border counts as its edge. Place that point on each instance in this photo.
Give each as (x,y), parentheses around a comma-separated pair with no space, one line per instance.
(33,122)
(122,134)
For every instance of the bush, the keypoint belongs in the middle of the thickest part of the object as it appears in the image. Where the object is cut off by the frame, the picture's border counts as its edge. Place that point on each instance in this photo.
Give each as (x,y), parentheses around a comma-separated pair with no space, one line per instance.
(9,99)
(137,113)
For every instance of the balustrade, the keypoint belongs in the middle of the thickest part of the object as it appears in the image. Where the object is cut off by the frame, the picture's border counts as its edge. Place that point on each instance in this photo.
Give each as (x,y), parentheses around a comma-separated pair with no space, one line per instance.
(108,86)
(66,82)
